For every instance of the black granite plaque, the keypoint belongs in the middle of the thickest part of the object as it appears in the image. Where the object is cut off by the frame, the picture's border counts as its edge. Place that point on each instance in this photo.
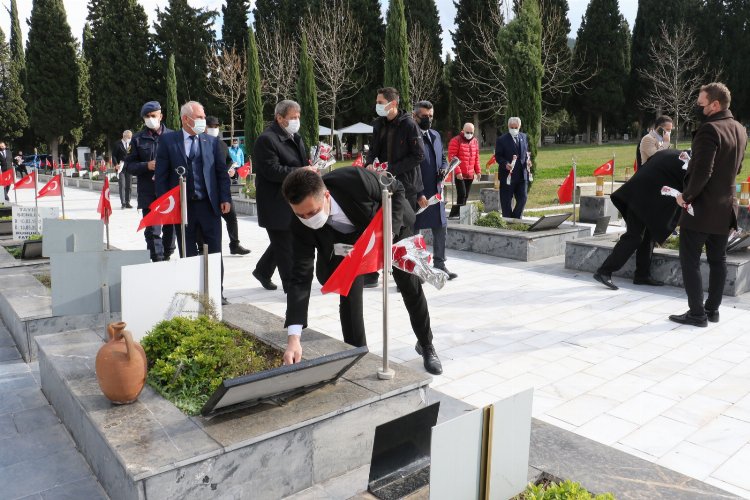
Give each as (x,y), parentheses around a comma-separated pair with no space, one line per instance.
(548,222)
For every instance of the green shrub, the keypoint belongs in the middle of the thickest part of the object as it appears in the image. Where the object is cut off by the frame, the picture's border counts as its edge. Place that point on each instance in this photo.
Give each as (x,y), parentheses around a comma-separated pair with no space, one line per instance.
(494,219)
(189,358)
(248,189)
(15,251)
(566,490)
(6,218)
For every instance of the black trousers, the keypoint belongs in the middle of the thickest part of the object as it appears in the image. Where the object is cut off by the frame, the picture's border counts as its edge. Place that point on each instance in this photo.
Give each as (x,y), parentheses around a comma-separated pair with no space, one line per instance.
(278,254)
(463,186)
(160,240)
(517,190)
(635,239)
(201,217)
(691,246)
(125,182)
(410,287)
(230,218)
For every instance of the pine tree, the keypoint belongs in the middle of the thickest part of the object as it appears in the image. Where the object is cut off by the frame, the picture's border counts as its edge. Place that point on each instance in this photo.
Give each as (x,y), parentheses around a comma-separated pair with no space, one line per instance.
(187,33)
(234,27)
(521,50)
(254,104)
(603,48)
(117,56)
(172,114)
(397,52)
(12,112)
(52,73)
(307,96)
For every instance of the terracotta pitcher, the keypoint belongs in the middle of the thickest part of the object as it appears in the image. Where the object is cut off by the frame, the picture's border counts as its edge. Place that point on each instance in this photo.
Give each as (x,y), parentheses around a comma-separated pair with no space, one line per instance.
(121,366)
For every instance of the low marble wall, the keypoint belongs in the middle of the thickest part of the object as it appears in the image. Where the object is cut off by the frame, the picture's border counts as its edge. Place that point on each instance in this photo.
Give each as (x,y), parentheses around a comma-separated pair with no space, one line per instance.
(595,207)
(589,253)
(244,206)
(149,449)
(516,245)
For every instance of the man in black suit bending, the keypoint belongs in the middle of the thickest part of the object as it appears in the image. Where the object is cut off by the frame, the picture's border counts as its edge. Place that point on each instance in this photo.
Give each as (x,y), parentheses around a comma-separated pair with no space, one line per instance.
(337,208)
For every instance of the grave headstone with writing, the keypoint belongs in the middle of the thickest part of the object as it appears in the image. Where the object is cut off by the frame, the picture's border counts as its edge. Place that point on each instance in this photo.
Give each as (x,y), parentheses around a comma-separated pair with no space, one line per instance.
(26,223)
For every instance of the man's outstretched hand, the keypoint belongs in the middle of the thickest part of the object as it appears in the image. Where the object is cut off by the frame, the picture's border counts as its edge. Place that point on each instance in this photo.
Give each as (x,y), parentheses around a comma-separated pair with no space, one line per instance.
(293,353)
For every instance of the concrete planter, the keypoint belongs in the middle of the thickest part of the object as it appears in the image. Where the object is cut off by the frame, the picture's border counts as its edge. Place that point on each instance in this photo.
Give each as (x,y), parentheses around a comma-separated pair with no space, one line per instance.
(244,206)
(6,227)
(516,245)
(149,449)
(589,253)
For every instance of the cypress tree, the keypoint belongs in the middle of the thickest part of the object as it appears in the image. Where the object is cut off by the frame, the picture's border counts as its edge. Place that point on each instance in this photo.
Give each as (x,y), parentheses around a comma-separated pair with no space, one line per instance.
(254,104)
(424,14)
(234,27)
(187,33)
(16,43)
(83,96)
(397,52)
(307,96)
(117,55)
(287,12)
(521,50)
(172,117)
(52,72)
(602,49)
(12,112)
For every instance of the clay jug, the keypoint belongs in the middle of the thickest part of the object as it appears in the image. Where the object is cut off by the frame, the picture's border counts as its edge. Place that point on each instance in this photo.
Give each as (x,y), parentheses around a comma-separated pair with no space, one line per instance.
(121,366)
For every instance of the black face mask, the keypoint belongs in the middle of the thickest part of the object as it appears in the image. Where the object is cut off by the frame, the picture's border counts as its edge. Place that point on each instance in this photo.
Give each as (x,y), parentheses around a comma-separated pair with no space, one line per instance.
(698,112)
(425,123)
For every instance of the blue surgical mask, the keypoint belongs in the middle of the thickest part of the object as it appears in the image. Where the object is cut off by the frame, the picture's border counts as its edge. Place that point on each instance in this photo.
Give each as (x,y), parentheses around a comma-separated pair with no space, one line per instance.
(380,109)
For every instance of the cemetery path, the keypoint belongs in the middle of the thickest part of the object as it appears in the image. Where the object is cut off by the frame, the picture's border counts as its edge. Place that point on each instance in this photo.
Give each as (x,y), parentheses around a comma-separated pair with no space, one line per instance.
(607,365)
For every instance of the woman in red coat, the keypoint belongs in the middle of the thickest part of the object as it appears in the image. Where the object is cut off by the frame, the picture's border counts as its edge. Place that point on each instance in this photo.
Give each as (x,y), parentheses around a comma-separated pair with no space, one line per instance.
(466,147)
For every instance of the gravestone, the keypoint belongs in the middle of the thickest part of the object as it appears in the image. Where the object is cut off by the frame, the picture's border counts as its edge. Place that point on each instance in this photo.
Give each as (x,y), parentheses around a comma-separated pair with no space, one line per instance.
(468,214)
(25,222)
(83,235)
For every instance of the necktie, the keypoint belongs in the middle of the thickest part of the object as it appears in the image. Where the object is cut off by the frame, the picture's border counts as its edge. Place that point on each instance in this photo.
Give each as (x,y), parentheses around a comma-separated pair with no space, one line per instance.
(193,147)
(341,227)
(427,138)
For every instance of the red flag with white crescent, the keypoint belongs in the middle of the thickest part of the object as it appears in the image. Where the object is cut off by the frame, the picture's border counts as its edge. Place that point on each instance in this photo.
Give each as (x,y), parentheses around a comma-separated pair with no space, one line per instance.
(606,169)
(164,210)
(244,171)
(27,182)
(565,191)
(359,162)
(52,188)
(7,178)
(365,257)
(105,206)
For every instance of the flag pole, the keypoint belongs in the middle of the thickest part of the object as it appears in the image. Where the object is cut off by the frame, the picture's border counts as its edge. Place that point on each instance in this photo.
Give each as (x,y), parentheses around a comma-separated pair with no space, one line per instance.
(575,185)
(386,373)
(36,201)
(612,188)
(183,210)
(62,195)
(15,191)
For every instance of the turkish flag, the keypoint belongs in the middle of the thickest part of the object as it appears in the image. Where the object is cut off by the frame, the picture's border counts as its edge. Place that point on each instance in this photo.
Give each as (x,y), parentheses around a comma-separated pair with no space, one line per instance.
(491,161)
(359,162)
(164,210)
(7,178)
(78,166)
(365,257)
(105,206)
(27,182)
(635,166)
(46,162)
(244,171)
(565,191)
(52,188)
(606,169)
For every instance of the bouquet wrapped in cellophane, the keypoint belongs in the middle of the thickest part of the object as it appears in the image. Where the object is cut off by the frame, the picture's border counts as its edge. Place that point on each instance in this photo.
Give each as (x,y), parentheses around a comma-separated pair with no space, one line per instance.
(441,175)
(321,156)
(411,256)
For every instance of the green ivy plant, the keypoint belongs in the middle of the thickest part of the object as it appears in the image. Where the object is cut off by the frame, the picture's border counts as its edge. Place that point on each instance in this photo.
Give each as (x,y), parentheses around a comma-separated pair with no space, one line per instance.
(565,490)
(494,219)
(189,358)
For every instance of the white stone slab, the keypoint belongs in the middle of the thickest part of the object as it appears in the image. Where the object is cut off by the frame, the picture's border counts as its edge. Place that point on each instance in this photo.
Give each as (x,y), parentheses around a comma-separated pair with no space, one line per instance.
(83,235)
(77,279)
(159,290)
(25,223)
(509,452)
(456,458)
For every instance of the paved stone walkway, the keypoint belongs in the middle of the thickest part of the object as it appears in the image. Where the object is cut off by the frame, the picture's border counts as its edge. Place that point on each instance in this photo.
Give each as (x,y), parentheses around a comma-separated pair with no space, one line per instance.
(605,364)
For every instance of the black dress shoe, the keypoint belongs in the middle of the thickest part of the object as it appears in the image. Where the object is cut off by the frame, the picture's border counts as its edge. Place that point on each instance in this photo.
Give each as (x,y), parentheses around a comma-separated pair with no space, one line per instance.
(238,250)
(647,281)
(224,301)
(605,280)
(689,319)
(265,282)
(371,281)
(431,361)
(712,316)
(450,274)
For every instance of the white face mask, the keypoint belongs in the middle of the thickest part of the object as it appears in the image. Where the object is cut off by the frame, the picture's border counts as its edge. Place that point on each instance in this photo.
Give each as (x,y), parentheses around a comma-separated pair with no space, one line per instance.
(199,125)
(468,136)
(152,123)
(513,132)
(380,109)
(293,127)
(213,132)
(316,221)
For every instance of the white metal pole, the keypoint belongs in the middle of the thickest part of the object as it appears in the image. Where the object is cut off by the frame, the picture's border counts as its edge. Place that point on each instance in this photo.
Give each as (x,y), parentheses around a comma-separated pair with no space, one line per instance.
(36,200)
(612,188)
(386,373)
(183,210)
(62,194)
(575,186)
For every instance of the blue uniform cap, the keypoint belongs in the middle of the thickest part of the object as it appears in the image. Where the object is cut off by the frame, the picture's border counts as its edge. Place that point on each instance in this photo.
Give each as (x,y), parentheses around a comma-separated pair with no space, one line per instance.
(149,107)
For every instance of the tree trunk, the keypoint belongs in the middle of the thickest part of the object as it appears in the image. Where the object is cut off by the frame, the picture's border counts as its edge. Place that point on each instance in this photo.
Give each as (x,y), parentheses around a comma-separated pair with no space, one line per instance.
(588,128)
(231,124)
(477,131)
(54,144)
(599,130)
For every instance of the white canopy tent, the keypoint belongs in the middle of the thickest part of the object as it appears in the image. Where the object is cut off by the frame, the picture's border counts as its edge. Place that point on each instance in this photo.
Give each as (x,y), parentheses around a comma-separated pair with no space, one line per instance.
(326,132)
(357,128)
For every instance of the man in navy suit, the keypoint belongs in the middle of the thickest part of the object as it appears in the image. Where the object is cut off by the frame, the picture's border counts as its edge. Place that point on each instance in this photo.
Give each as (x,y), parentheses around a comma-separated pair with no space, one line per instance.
(433,218)
(513,143)
(206,177)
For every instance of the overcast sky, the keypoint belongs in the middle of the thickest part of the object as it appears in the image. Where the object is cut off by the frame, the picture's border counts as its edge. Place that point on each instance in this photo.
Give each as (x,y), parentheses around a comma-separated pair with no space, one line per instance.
(77,11)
